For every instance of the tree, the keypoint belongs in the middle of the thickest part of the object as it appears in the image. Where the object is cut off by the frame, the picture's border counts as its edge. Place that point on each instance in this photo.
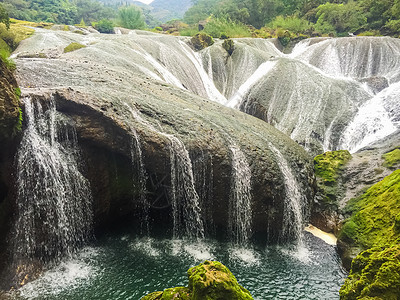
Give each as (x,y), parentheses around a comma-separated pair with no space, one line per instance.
(131,17)
(4,17)
(341,18)
(105,26)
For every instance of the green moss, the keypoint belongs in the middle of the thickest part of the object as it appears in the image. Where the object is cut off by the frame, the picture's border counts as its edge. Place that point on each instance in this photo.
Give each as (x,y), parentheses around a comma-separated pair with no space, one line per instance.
(328,164)
(328,167)
(73,47)
(391,158)
(210,280)
(374,214)
(375,274)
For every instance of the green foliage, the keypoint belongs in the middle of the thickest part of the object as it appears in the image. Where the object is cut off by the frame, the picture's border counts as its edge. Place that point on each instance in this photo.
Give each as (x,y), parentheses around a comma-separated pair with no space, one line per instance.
(370,33)
(4,17)
(229,46)
(341,18)
(231,28)
(373,215)
(291,23)
(104,26)
(202,40)
(73,46)
(131,17)
(392,158)
(189,31)
(375,274)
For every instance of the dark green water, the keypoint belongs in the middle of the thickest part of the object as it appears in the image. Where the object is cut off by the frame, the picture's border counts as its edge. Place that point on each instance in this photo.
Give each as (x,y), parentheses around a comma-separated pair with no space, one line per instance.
(122,267)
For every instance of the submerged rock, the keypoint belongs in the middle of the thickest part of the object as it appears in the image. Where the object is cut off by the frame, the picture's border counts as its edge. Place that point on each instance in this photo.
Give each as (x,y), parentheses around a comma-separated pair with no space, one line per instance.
(208,281)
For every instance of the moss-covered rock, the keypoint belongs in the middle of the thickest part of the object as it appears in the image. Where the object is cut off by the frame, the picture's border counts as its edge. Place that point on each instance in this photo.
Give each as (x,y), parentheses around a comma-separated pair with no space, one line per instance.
(73,46)
(328,165)
(229,46)
(374,214)
(328,168)
(10,114)
(202,40)
(178,293)
(392,158)
(210,280)
(375,274)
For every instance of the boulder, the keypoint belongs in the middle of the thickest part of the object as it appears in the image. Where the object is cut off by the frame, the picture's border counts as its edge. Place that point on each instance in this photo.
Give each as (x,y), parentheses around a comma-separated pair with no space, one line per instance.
(208,281)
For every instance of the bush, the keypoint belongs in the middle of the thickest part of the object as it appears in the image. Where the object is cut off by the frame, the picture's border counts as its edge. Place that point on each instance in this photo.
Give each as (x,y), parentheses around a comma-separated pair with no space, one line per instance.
(4,17)
(202,40)
(131,17)
(104,26)
(291,23)
(216,26)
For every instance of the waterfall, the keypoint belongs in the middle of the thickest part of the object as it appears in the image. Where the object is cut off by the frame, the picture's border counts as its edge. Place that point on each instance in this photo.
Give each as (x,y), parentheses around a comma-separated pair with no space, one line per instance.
(54,202)
(240,212)
(186,211)
(140,177)
(260,73)
(294,208)
(371,123)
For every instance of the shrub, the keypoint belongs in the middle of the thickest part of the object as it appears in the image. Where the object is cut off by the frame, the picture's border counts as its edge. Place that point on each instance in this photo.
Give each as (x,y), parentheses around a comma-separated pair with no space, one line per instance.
(291,23)
(230,28)
(104,26)
(131,17)
(202,40)
(190,31)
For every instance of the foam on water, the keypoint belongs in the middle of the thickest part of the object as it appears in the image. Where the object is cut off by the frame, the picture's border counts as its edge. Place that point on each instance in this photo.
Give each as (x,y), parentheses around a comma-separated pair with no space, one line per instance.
(198,251)
(246,256)
(69,274)
(146,247)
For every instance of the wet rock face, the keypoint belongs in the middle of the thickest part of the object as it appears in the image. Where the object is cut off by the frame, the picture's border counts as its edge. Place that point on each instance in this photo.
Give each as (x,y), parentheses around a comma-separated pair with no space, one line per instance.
(117,105)
(9,103)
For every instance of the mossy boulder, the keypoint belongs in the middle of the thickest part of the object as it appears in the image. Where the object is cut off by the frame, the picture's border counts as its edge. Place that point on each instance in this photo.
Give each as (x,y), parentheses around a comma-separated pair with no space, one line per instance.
(391,158)
(229,46)
(73,46)
(328,168)
(202,40)
(375,274)
(373,216)
(210,280)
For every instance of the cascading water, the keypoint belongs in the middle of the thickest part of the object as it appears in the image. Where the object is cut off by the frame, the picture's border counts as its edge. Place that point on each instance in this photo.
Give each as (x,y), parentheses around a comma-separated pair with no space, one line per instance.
(240,212)
(139,178)
(54,201)
(295,210)
(186,211)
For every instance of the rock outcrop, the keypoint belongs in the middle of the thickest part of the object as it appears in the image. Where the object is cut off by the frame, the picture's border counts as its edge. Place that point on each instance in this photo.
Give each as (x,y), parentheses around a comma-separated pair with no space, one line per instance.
(208,281)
